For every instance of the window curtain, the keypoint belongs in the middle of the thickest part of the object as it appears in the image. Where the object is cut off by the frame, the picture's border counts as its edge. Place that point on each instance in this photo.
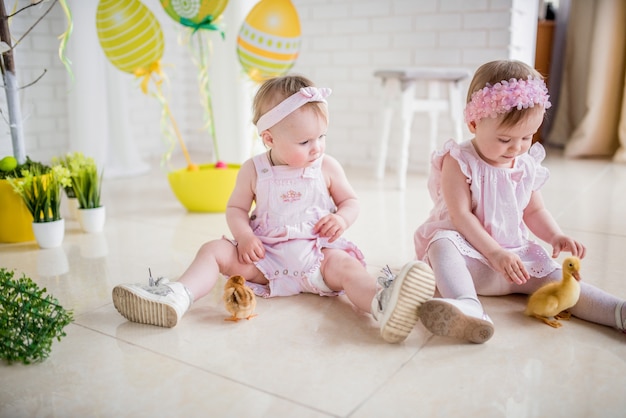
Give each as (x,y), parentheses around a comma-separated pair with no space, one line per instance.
(590,117)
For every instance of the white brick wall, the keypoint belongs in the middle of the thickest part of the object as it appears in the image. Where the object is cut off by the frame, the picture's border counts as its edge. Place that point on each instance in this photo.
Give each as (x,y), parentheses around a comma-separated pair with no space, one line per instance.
(344,42)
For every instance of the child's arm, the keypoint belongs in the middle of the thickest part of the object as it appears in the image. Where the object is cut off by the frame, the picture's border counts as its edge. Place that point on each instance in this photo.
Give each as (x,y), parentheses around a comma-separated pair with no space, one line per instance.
(249,247)
(334,225)
(541,223)
(457,195)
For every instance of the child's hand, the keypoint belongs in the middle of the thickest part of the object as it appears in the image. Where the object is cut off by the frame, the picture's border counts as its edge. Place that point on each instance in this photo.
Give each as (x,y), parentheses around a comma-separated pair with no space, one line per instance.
(250,250)
(510,265)
(564,243)
(330,226)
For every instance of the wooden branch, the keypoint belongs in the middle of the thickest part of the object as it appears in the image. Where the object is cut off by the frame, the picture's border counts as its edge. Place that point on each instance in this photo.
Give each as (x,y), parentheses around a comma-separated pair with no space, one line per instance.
(34,24)
(5,36)
(24,8)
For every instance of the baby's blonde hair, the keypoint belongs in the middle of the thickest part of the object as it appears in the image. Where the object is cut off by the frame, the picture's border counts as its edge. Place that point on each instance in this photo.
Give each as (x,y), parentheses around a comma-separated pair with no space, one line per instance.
(275,90)
(496,71)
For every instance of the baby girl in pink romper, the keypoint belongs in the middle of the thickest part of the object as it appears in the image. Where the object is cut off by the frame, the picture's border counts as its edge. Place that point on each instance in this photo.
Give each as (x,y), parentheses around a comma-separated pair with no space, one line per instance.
(287,215)
(289,203)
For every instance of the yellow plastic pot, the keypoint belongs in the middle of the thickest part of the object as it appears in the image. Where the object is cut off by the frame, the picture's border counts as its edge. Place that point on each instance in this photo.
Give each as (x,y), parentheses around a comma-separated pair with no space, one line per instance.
(205,190)
(16,222)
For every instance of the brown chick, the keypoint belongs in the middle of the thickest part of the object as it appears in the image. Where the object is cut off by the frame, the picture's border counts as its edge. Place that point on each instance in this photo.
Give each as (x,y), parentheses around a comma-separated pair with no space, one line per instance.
(238,299)
(554,299)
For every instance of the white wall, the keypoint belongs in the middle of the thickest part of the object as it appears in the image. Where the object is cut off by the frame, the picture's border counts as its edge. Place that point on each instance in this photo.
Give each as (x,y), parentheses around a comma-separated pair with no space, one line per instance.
(344,42)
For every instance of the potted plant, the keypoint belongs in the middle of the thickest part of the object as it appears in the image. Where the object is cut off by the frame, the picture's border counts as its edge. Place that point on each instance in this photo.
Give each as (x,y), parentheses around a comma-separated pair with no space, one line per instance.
(86,185)
(72,201)
(15,220)
(40,190)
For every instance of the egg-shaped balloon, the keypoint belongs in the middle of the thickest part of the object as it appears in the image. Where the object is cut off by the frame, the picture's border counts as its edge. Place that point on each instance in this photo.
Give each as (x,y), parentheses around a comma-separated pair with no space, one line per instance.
(269,39)
(129,34)
(194,13)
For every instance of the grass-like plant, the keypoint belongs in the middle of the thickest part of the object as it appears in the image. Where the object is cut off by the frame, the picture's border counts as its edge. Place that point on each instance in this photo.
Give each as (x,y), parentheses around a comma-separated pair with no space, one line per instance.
(86,183)
(28,165)
(29,320)
(40,189)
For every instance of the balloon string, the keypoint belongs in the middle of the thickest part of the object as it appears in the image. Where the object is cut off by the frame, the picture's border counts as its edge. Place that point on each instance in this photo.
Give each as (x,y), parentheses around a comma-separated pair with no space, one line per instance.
(200,59)
(166,130)
(64,37)
(190,165)
(205,89)
(154,73)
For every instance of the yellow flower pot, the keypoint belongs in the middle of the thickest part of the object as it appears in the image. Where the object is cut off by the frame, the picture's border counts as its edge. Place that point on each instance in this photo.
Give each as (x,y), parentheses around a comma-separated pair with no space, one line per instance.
(15,219)
(205,190)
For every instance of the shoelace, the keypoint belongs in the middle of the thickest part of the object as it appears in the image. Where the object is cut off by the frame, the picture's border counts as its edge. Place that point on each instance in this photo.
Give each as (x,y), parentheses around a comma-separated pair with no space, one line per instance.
(157,283)
(386,280)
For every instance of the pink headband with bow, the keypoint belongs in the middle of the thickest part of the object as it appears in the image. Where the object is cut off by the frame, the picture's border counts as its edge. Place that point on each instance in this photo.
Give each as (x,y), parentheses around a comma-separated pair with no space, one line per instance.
(291,103)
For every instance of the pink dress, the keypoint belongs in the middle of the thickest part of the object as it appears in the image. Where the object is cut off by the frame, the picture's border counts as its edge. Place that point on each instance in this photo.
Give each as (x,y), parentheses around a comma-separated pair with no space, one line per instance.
(289,202)
(499,197)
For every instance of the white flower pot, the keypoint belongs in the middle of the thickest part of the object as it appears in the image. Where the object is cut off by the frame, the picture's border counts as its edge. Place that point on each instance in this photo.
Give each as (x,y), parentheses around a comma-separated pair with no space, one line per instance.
(49,234)
(92,220)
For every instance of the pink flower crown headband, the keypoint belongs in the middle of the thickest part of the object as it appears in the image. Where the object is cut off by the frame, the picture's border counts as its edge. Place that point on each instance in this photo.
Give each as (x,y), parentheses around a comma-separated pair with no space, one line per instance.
(502,97)
(290,104)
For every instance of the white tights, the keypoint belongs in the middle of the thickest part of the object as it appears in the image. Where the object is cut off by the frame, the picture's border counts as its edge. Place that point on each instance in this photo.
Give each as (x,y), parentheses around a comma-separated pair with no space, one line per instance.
(462,277)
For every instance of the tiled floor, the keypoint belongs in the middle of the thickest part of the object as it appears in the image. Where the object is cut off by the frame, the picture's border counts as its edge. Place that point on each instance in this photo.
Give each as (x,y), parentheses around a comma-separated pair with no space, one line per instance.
(308,356)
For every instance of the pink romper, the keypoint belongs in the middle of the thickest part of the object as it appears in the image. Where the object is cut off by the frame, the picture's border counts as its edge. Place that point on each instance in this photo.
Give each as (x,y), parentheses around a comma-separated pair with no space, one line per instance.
(499,197)
(289,202)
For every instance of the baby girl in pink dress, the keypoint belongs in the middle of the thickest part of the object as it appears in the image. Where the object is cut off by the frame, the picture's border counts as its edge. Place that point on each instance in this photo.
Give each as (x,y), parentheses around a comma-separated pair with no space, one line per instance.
(487,201)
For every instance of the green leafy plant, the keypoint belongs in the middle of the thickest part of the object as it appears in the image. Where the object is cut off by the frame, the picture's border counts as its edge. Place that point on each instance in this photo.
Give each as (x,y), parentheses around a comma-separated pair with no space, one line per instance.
(40,189)
(29,320)
(86,183)
(29,165)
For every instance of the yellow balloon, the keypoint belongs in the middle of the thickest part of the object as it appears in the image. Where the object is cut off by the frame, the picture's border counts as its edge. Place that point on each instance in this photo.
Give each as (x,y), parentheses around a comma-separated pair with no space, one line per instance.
(194,12)
(268,43)
(129,34)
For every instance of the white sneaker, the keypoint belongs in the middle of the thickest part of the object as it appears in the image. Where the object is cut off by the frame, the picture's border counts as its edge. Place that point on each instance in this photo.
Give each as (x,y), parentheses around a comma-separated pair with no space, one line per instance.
(397,305)
(457,319)
(161,302)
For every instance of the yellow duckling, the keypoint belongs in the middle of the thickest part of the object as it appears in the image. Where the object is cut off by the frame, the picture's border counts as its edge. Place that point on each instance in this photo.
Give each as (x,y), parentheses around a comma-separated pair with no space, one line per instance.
(554,299)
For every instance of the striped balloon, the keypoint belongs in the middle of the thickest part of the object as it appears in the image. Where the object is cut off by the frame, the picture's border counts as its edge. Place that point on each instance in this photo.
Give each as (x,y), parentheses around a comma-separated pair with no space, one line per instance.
(269,39)
(194,12)
(129,34)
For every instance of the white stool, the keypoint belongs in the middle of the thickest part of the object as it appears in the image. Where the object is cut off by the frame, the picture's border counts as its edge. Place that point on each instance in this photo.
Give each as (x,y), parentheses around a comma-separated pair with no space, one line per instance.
(399,89)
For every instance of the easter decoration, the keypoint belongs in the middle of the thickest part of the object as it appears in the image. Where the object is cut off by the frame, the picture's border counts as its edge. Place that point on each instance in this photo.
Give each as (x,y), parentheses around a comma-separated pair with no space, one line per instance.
(269,39)
(15,219)
(30,319)
(40,188)
(86,186)
(132,40)
(208,188)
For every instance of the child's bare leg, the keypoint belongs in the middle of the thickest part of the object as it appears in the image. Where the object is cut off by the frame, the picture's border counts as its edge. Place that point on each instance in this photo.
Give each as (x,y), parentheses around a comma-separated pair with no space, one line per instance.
(214,257)
(163,303)
(344,272)
(395,304)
